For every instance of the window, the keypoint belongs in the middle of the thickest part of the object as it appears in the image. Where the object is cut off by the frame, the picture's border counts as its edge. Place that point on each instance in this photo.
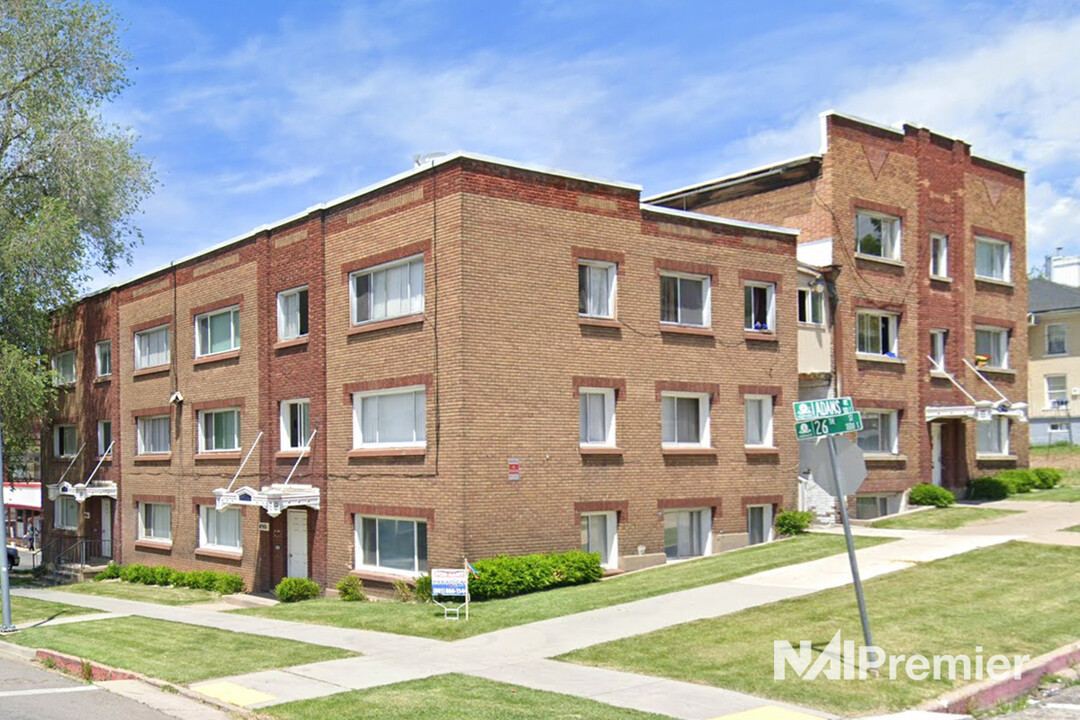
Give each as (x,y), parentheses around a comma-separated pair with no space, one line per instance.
(220,530)
(217,332)
(877,235)
(1055,340)
(759,524)
(596,288)
(877,333)
(104,437)
(599,534)
(64,441)
(937,347)
(687,533)
(388,291)
(390,418)
(292,314)
(1059,427)
(155,521)
(1057,394)
(103,354)
(394,544)
(64,367)
(684,300)
(811,307)
(868,507)
(219,430)
(939,256)
(993,345)
(152,347)
(759,307)
(153,435)
(295,424)
(993,259)
(684,419)
(597,416)
(992,437)
(880,432)
(759,412)
(67,513)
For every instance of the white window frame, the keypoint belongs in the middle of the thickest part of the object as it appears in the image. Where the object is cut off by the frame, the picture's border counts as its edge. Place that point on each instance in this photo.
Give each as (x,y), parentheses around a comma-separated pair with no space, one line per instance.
(887,499)
(1003,436)
(234,330)
(147,533)
(891,443)
(62,379)
(1002,342)
(705,439)
(202,415)
(102,446)
(419,567)
(359,443)
(382,267)
(282,297)
(65,510)
(703,526)
(1006,271)
(608,395)
(768,518)
(205,512)
(888,251)
(1058,427)
(58,448)
(893,321)
(762,406)
(770,306)
(939,256)
(286,423)
(1064,392)
(1064,340)
(811,305)
(142,422)
(140,337)
(706,299)
(105,345)
(611,537)
(938,342)
(611,270)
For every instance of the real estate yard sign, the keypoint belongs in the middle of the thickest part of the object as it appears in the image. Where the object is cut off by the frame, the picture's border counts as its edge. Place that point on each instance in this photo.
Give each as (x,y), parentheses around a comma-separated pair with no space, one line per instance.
(450,583)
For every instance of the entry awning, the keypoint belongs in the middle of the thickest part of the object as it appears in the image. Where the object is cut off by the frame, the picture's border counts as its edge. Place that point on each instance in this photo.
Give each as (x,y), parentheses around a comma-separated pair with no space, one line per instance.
(87,489)
(977,412)
(274,499)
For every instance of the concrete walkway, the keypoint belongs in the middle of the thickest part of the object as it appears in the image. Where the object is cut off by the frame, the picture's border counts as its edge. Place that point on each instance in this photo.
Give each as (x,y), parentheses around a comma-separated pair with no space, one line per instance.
(520,655)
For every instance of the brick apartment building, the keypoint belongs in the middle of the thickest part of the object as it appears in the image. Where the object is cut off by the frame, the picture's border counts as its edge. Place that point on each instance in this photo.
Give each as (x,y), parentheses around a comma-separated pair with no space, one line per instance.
(474,357)
(924,248)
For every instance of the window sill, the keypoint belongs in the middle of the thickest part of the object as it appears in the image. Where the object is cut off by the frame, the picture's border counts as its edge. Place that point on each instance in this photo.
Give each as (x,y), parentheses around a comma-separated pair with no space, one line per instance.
(884,458)
(65,386)
(883,260)
(599,322)
(760,450)
(867,357)
(998,371)
(384,324)
(995,458)
(386,452)
(291,342)
(103,380)
(688,451)
(155,370)
(293,454)
(939,375)
(153,458)
(219,553)
(941,279)
(760,336)
(687,330)
(216,357)
(160,545)
(384,576)
(600,450)
(104,458)
(994,281)
(213,456)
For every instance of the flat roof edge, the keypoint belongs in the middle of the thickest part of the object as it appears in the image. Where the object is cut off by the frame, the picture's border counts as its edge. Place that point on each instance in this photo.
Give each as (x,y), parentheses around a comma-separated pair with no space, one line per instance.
(731,178)
(715,220)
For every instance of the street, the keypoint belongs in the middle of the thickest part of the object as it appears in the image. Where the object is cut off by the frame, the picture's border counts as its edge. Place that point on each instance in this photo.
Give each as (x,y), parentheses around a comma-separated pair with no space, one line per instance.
(1064,705)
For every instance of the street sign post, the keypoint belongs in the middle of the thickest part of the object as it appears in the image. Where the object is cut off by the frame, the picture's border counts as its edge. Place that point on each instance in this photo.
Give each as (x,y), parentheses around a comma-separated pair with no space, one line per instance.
(832,425)
(810,409)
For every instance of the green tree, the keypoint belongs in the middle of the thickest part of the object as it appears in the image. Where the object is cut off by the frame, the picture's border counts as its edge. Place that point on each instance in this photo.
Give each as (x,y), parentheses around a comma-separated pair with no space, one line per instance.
(70,183)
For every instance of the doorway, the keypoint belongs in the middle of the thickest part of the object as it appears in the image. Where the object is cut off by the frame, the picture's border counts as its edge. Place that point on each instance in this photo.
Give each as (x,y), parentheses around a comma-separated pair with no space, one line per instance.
(106,528)
(937,472)
(297,543)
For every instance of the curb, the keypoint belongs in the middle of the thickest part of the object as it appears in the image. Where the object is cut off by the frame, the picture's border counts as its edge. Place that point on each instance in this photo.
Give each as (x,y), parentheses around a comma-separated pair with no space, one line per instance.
(992,692)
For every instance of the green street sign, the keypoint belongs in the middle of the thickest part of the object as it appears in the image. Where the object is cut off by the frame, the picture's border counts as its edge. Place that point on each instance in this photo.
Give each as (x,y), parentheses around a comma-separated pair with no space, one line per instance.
(834,425)
(826,407)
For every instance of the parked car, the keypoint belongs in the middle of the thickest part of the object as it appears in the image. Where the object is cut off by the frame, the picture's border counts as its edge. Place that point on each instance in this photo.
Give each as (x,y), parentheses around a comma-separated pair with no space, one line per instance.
(12,557)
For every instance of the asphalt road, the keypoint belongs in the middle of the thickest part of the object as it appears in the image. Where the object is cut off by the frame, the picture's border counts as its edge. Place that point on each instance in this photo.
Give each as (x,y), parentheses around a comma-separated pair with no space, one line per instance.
(30,693)
(1064,705)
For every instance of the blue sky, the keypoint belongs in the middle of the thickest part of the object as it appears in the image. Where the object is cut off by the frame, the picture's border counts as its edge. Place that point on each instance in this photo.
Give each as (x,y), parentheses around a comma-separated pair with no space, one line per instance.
(252,111)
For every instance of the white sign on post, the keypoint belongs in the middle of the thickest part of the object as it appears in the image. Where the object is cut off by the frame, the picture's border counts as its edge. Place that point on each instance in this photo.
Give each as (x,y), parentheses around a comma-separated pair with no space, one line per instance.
(450,583)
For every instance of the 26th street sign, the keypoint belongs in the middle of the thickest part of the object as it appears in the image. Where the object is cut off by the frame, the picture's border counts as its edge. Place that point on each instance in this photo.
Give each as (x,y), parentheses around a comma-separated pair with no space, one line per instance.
(833,425)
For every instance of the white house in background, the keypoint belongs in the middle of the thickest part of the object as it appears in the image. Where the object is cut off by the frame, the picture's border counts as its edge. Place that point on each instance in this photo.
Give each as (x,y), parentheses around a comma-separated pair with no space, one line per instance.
(1054,359)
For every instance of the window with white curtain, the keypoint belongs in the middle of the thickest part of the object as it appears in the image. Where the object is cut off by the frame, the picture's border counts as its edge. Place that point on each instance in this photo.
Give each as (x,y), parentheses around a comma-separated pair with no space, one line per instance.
(66,513)
(596,288)
(939,255)
(153,434)
(685,299)
(295,424)
(937,347)
(1057,393)
(104,437)
(103,355)
(599,534)
(64,366)
(687,533)
(390,418)
(217,331)
(684,419)
(993,344)
(292,313)
(993,259)
(759,420)
(394,544)
(1055,339)
(992,437)
(388,291)
(155,521)
(219,529)
(880,434)
(152,347)
(219,430)
(597,416)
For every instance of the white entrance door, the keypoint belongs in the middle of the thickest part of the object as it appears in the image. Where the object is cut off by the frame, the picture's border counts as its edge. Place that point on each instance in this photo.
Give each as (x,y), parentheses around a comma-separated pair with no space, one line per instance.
(936,452)
(296,520)
(106,527)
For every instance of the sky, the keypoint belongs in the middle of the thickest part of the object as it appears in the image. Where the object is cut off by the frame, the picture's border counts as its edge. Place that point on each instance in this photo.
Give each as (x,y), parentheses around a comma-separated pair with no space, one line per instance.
(254,111)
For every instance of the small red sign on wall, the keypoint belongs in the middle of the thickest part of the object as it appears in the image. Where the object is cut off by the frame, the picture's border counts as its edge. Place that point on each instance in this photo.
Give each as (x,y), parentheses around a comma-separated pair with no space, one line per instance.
(513,469)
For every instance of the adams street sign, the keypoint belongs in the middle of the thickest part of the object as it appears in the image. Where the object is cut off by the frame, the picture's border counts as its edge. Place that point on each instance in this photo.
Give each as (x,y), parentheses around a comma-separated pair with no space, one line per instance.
(826,407)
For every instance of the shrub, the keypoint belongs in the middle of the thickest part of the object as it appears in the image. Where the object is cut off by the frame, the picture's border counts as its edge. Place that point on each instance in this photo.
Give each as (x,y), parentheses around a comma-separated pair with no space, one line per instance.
(506,576)
(136,573)
(162,575)
(793,522)
(1046,478)
(987,488)
(351,589)
(297,589)
(111,572)
(1018,481)
(423,588)
(228,584)
(403,592)
(926,494)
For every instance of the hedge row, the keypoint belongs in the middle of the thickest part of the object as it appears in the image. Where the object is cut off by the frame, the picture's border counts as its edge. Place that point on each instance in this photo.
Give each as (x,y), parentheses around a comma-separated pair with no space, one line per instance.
(506,576)
(926,494)
(223,583)
(1013,482)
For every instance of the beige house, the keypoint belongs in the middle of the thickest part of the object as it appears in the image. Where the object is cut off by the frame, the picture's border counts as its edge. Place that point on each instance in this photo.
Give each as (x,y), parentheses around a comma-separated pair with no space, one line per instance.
(1054,369)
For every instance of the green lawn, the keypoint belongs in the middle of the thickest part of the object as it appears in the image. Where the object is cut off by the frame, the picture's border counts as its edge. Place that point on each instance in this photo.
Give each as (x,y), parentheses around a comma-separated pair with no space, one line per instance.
(172,651)
(1062,493)
(24,610)
(1074,528)
(427,621)
(458,696)
(143,593)
(941,518)
(1018,598)
(1069,489)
